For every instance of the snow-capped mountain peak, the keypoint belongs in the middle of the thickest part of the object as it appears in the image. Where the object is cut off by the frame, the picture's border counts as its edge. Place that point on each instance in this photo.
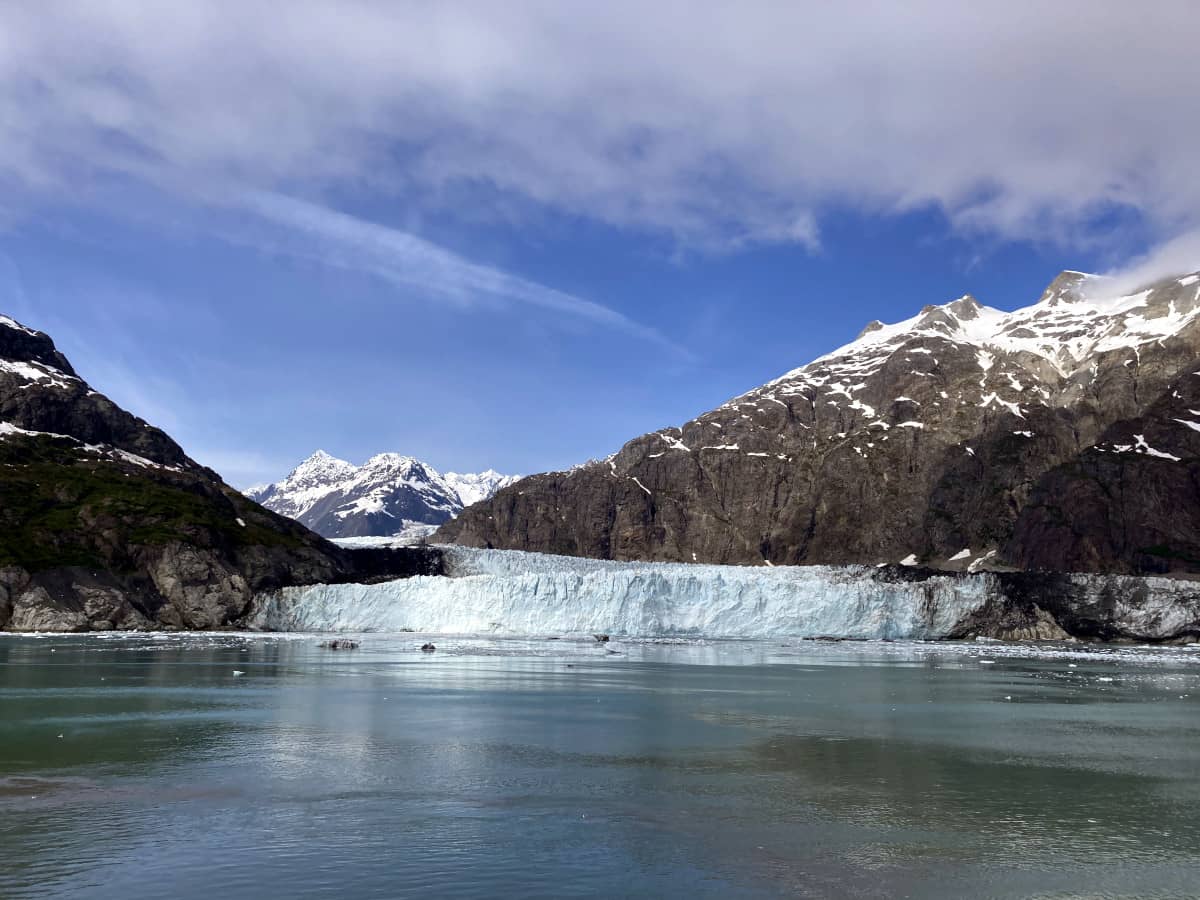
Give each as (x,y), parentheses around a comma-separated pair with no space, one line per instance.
(1077,317)
(321,466)
(386,495)
(472,488)
(305,486)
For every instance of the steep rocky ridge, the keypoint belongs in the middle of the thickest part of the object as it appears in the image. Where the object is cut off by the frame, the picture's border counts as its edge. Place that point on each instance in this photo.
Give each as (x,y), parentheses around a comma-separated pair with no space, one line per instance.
(1060,436)
(106,523)
(387,495)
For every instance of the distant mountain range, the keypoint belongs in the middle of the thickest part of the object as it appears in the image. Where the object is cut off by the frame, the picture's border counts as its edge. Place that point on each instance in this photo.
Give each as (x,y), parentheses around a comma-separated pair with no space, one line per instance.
(1062,436)
(389,494)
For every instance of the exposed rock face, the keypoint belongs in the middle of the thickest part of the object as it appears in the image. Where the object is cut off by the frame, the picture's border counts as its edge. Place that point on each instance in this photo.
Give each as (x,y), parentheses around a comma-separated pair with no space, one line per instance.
(1131,502)
(1050,606)
(39,391)
(105,523)
(388,495)
(1061,436)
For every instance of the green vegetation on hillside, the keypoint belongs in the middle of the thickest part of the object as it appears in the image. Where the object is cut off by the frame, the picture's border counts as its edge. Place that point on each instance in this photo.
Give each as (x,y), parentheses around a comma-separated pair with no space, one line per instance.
(63,506)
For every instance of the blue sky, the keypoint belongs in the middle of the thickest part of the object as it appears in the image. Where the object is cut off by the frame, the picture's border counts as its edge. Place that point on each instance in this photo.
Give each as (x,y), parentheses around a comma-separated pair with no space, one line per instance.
(469,237)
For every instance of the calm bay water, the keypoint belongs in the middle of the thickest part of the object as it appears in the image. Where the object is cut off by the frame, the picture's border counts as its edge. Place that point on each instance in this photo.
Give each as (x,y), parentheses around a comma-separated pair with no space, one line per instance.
(142,766)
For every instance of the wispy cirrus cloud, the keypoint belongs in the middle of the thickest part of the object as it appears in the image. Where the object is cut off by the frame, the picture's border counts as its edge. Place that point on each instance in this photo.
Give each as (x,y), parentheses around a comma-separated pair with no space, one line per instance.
(334,238)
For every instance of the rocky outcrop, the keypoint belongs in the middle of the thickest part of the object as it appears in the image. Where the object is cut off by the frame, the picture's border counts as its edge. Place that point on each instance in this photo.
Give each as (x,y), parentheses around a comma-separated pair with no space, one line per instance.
(1050,606)
(1057,437)
(68,600)
(1130,502)
(41,392)
(105,523)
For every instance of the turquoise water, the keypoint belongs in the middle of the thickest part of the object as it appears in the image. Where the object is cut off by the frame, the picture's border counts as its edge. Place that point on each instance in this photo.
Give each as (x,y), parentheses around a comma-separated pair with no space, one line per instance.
(142,766)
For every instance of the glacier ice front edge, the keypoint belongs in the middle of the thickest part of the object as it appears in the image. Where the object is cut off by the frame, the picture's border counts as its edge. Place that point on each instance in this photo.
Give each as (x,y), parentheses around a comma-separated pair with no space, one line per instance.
(509,592)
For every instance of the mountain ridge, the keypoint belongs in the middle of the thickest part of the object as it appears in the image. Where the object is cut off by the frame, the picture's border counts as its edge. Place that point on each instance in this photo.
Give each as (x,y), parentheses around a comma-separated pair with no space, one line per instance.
(922,440)
(387,495)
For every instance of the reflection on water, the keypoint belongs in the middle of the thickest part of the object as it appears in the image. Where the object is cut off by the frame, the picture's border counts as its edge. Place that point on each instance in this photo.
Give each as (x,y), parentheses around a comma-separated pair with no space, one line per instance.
(143,766)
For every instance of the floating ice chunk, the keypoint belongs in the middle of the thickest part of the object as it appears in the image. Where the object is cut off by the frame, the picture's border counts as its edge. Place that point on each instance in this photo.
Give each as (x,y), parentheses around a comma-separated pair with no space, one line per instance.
(961,554)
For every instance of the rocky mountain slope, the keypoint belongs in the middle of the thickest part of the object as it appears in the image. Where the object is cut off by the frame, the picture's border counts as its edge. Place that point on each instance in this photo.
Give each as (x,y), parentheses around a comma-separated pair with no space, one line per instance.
(1062,436)
(387,495)
(106,523)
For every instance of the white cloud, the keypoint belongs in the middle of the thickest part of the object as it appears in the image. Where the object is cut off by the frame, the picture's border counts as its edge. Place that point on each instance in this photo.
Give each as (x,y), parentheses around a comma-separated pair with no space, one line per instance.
(716,124)
(1178,256)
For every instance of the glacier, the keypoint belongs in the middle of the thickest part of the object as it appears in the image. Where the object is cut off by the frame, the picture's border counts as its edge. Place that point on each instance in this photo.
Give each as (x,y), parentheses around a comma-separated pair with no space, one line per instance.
(513,592)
